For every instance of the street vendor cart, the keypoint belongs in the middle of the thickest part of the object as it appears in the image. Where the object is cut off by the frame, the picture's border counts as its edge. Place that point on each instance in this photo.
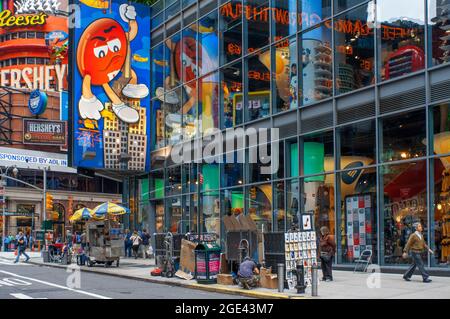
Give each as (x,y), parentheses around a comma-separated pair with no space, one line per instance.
(104,242)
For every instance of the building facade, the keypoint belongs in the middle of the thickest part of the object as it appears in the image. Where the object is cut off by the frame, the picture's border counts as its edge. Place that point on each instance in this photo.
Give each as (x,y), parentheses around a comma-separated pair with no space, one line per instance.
(359,92)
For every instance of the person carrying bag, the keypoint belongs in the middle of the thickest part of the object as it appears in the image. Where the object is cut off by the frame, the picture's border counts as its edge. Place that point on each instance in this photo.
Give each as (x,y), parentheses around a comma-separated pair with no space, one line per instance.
(327,250)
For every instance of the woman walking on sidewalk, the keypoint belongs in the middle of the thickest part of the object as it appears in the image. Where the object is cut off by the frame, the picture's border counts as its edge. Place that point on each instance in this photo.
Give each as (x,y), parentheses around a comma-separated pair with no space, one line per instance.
(327,250)
(416,246)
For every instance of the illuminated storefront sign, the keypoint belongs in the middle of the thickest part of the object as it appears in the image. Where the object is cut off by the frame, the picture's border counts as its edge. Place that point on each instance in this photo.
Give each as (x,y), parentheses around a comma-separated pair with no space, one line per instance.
(7,19)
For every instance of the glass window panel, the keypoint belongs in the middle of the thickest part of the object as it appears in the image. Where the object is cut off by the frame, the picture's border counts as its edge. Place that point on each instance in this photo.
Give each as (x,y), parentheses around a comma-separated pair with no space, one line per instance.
(404,136)
(233,169)
(439,23)
(208,107)
(318,201)
(174,61)
(313,12)
(405,203)
(173,116)
(187,50)
(316,67)
(440,238)
(284,17)
(284,75)
(232,89)
(441,129)
(259,201)
(208,59)
(318,153)
(357,224)
(292,201)
(257,14)
(341,5)
(279,213)
(174,214)
(189,110)
(158,66)
(156,184)
(401,28)
(354,49)
(292,162)
(257,162)
(259,96)
(231,31)
(210,210)
(173,181)
(160,217)
(358,145)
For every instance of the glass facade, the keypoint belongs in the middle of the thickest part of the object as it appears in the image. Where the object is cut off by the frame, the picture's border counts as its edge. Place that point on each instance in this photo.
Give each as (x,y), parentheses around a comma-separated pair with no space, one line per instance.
(359,92)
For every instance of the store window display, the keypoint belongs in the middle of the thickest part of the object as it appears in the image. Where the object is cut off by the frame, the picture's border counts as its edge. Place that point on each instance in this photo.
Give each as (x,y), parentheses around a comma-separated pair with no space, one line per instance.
(401,27)
(231,78)
(173,182)
(439,23)
(285,75)
(405,203)
(259,96)
(208,107)
(404,136)
(233,169)
(316,65)
(441,169)
(284,18)
(318,153)
(279,213)
(259,201)
(293,203)
(354,49)
(159,216)
(357,225)
(210,212)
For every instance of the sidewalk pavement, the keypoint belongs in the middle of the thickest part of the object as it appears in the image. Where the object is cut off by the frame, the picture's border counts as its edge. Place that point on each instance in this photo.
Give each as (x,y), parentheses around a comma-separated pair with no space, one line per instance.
(346,284)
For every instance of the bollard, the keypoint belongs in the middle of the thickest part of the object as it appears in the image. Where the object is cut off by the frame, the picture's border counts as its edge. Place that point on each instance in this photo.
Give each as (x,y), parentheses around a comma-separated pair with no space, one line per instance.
(280,277)
(314,278)
(300,274)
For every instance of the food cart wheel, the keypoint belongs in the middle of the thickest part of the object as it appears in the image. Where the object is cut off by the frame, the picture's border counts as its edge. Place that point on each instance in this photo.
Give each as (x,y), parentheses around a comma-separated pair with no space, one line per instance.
(108,264)
(89,262)
(169,274)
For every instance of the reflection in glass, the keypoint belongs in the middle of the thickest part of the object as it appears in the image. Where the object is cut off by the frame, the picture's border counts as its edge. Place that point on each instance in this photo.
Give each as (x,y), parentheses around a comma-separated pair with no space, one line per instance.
(285,75)
(318,153)
(293,203)
(210,212)
(174,214)
(233,170)
(358,144)
(258,26)
(208,59)
(313,12)
(354,47)
(173,181)
(441,129)
(232,87)
(231,31)
(439,16)
(405,203)
(401,28)
(316,66)
(404,136)
(341,5)
(284,17)
(258,85)
(208,107)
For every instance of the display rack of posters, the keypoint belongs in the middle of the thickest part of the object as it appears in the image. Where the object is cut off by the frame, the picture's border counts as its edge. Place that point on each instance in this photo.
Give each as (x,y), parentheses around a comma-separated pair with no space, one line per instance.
(359,224)
(300,248)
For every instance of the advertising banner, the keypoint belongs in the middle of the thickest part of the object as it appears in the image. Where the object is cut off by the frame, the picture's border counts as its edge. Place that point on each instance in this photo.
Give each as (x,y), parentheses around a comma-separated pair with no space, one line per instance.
(44,132)
(110,87)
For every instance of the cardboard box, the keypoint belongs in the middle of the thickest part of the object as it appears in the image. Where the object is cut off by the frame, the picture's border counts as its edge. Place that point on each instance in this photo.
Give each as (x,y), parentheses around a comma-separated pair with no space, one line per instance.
(224,264)
(225,279)
(187,256)
(268,280)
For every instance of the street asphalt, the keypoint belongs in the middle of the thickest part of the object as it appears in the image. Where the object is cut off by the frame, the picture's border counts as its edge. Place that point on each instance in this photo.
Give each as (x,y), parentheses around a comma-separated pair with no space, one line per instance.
(26,281)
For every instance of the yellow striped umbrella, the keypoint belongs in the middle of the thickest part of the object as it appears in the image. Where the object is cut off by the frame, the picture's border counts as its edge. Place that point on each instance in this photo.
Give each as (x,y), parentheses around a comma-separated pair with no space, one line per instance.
(109,209)
(81,214)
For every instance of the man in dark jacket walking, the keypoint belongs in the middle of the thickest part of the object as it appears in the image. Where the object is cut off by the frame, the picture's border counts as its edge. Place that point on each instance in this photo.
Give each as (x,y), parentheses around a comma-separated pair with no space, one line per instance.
(416,246)
(21,247)
(145,242)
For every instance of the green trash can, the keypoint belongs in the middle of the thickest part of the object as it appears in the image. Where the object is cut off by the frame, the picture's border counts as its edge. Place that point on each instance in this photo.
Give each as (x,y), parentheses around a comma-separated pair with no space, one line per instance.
(207,263)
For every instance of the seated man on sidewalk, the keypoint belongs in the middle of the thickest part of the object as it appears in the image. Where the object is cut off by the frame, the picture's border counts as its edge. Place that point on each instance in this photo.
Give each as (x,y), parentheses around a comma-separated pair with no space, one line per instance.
(248,273)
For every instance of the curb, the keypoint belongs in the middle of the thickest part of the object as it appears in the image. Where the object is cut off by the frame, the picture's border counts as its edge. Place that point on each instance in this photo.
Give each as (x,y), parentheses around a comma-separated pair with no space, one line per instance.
(224,290)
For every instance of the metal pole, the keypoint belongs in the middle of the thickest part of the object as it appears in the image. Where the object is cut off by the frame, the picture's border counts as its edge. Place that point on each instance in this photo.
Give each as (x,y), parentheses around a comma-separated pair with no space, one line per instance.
(280,277)
(314,278)
(4,218)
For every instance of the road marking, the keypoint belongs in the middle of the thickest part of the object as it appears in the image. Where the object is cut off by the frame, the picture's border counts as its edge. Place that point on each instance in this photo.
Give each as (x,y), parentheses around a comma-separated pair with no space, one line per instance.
(56,286)
(23,296)
(11,263)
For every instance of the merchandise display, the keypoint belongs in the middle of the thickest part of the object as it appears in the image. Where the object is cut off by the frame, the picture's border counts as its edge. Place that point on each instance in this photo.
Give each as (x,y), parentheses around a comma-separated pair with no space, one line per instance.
(300,248)
(445,221)
(359,224)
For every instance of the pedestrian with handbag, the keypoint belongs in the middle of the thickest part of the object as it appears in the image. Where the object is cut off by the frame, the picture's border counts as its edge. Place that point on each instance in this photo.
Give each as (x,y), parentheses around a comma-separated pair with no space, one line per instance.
(136,243)
(327,250)
(416,246)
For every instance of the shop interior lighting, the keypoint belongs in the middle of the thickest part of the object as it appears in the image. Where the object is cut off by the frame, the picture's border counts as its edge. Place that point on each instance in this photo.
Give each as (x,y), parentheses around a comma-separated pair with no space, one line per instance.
(439,206)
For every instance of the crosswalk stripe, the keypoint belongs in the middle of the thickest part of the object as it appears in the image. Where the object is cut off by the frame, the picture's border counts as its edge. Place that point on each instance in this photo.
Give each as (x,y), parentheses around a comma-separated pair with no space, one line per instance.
(23,296)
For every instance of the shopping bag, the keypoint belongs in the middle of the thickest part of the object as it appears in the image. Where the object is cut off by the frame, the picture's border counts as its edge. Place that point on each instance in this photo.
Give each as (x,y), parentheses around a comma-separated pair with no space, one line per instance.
(150,250)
